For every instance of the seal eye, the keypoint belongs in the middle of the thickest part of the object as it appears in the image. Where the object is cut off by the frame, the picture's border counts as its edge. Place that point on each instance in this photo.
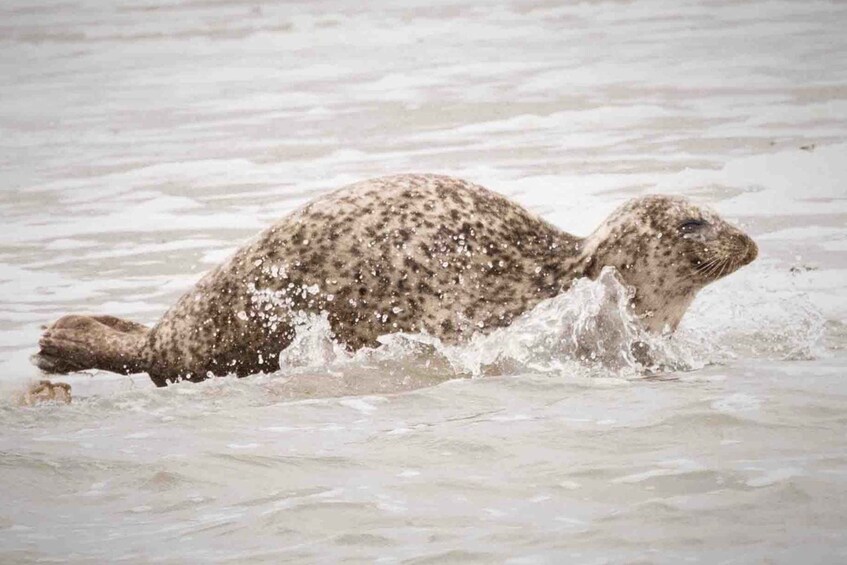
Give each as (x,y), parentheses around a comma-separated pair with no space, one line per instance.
(691,226)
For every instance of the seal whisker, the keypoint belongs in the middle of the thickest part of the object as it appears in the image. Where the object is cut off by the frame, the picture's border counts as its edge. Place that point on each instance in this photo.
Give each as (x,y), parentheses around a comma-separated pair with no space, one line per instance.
(708,265)
(699,270)
(729,266)
(716,267)
(724,264)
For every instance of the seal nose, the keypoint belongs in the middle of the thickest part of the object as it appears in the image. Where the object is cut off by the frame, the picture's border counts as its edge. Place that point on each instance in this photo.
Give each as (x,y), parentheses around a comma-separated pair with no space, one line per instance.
(752,250)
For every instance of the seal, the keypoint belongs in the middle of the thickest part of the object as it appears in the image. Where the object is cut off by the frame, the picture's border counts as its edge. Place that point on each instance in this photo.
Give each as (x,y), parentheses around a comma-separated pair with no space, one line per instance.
(405,253)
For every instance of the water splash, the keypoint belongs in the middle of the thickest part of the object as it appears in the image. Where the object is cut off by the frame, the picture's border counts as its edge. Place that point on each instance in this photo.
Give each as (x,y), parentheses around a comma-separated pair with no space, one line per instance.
(759,323)
(589,327)
(589,330)
(314,343)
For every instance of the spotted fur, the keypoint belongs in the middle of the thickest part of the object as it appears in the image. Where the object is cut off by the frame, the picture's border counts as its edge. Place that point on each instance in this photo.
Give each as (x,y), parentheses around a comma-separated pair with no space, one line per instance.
(414,253)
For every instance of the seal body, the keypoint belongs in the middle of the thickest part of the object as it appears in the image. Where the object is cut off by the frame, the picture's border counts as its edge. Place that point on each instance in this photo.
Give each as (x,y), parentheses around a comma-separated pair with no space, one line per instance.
(407,253)
(411,253)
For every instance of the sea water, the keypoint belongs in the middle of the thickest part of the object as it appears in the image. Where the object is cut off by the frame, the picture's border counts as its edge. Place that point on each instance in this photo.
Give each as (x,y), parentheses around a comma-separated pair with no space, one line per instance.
(143,141)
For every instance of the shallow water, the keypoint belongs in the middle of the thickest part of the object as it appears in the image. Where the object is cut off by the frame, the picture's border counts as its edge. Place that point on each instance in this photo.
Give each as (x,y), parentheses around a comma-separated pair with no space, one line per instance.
(143,143)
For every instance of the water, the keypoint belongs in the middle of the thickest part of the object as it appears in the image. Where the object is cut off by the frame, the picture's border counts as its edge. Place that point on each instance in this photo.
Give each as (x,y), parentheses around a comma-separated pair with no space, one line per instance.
(142,143)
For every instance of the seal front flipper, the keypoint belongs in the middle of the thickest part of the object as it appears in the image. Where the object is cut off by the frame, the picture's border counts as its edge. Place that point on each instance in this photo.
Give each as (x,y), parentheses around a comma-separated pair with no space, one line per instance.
(75,343)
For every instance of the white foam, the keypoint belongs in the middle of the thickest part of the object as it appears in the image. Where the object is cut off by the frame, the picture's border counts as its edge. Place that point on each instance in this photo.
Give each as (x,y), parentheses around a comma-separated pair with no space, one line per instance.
(774,477)
(664,469)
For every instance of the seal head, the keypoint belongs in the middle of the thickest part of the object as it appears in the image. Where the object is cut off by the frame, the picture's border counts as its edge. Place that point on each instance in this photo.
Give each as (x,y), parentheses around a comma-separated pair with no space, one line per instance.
(667,249)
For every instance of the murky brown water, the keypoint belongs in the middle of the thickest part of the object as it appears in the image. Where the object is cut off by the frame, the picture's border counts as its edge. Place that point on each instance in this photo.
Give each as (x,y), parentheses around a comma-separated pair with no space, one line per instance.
(142,143)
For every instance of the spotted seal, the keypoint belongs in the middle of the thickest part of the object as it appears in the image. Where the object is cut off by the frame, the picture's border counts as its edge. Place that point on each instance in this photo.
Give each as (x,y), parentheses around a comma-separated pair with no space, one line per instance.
(407,253)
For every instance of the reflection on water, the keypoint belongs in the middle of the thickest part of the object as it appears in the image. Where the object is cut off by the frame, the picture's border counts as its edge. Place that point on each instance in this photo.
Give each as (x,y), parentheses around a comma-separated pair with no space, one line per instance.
(142,143)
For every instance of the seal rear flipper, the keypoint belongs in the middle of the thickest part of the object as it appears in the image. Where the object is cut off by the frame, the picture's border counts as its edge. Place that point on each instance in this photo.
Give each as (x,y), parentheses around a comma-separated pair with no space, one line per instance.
(53,365)
(76,343)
